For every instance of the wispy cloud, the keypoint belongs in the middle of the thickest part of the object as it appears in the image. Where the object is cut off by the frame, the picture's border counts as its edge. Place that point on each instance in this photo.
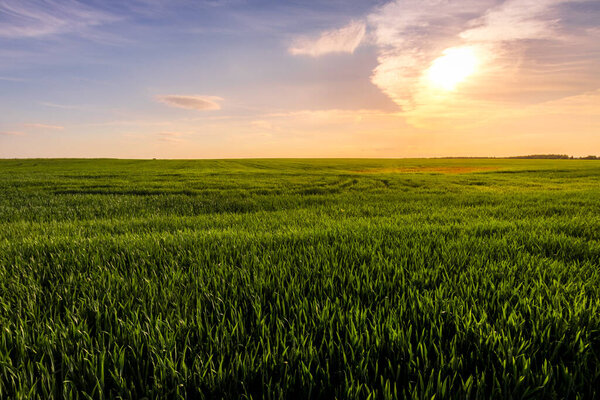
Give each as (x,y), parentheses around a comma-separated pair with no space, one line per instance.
(330,115)
(195,102)
(62,106)
(37,18)
(11,133)
(44,127)
(343,40)
(173,137)
(514,20)
(585,106)
(319,133)
(11,79)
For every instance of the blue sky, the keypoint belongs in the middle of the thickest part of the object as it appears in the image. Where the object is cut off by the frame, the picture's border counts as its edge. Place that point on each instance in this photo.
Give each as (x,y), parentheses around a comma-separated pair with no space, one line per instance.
(211,79)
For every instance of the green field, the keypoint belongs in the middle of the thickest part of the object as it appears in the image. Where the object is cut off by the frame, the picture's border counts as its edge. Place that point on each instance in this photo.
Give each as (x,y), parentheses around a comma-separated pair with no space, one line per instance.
(321,279)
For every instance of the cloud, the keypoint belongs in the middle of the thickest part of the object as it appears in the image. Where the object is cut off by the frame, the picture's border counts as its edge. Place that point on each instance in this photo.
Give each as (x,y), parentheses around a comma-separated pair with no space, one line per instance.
(327,116)
(12,79)
(318,133)
(505,36)
(44,127)
(173,137)
(36,18)
(585,106)
(11,133)
(195,102)
(514,20)
(409,37)
(343,40)
(62,106)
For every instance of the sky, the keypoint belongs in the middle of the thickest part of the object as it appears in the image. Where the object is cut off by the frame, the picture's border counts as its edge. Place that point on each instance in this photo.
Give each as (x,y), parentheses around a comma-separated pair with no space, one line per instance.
(272,78)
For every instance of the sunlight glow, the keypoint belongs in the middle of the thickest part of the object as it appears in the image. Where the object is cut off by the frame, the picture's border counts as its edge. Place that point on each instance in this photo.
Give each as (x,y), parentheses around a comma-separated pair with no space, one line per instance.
(453,67)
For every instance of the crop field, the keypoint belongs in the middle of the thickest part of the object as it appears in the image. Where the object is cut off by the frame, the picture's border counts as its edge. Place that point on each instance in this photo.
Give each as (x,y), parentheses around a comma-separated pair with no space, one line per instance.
(303,279)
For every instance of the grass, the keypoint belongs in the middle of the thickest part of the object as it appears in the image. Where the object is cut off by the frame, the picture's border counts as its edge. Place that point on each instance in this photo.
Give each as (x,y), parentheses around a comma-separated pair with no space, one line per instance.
(348,279)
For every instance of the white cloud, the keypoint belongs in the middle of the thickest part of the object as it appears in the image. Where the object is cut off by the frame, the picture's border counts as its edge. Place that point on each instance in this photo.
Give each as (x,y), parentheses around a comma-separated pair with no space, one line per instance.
(196,102)
(410,35)
(343,40)
(514,20)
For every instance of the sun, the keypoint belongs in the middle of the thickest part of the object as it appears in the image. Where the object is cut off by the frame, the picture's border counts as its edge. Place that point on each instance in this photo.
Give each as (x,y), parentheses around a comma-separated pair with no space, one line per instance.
(453,67)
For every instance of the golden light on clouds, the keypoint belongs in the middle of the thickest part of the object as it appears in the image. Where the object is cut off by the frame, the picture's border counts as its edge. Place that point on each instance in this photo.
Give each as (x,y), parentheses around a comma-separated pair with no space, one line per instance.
(452,68)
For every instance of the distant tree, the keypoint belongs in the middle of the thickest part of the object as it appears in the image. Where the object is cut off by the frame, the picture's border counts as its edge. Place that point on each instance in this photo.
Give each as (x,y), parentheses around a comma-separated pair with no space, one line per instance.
(544,156)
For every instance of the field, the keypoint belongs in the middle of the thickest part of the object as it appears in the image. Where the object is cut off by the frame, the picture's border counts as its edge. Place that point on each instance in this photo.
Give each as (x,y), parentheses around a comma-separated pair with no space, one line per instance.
(322,279)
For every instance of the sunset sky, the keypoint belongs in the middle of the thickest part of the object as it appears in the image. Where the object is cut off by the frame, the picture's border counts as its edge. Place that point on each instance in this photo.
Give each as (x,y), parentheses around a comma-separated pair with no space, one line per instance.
(235,78)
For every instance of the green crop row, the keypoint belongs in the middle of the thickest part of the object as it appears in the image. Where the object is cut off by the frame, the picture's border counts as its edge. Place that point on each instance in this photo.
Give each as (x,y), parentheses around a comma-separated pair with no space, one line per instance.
(320,279)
